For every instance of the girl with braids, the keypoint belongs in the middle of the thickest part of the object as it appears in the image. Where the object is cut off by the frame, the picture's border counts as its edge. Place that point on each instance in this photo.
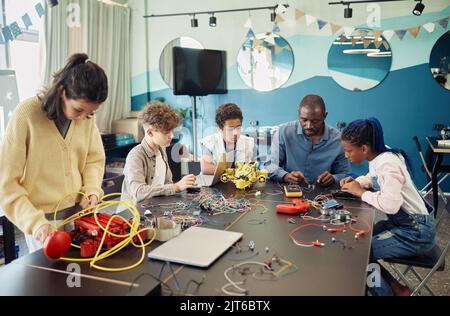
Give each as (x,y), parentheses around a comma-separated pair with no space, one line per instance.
(52,147)
(410,227)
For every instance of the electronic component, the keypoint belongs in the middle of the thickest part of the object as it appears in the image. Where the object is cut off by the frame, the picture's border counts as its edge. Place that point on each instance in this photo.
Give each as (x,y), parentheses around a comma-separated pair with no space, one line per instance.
(291,220)
(293,190)
(338,194)
(332,204)
(297,206)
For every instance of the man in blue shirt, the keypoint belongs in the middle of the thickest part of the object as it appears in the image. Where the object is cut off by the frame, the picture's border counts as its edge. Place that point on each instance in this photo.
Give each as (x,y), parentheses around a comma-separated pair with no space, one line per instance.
(308,150)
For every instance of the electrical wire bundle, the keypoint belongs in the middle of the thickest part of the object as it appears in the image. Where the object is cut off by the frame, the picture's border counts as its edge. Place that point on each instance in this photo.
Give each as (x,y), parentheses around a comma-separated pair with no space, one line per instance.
(133,223)
(265,271)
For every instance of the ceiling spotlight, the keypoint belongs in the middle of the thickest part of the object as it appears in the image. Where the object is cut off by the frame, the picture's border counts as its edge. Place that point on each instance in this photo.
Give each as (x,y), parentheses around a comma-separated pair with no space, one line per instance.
(418,9)
(52,3)
(212,20)
(348,12)
(194,22)
(273,15)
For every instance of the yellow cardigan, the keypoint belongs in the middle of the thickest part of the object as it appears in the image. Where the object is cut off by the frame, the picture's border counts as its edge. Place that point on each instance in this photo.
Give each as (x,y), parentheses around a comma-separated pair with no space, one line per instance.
(39,167)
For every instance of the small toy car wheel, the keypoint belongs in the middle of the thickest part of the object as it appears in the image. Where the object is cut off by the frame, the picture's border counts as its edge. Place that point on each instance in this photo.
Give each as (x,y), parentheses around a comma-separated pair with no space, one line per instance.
(224,178)
(261,179)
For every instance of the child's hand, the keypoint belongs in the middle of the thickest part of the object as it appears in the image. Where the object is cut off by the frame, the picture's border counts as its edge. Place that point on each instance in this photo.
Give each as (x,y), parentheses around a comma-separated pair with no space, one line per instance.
(346,180)
(87,203)
(42,232)
(186,182)
(354,188)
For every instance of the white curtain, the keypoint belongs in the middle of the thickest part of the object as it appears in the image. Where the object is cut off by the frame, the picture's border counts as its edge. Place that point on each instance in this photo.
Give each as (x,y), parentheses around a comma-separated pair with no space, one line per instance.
(103,33)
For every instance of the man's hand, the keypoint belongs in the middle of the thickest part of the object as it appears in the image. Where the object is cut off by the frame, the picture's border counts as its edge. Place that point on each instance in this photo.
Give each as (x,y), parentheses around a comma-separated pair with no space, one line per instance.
(88,203)
(353,187)
(295,177)
(346,180)
(186,182)
(325,179)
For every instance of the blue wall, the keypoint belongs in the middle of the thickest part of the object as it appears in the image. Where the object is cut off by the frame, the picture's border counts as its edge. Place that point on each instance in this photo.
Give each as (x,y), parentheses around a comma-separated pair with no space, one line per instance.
(407,102)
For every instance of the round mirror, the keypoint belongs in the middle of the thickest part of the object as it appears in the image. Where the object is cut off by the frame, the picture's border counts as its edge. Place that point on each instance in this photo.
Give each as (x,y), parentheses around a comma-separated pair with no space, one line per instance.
(360,61)
(440,61)
(165,59)
(265,61)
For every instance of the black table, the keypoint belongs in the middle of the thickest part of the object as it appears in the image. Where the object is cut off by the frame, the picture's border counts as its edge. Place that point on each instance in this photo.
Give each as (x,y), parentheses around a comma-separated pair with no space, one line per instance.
(439,152)
(330,270)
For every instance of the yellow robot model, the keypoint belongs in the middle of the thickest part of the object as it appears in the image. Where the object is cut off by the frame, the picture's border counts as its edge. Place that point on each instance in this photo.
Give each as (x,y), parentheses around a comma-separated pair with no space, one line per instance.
(244,175)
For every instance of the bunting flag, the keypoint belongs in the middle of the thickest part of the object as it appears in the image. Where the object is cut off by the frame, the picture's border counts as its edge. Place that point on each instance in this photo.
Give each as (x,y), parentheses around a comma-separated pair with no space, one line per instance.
(334,28)
(354,40)
(276,28)
(386,45)
(278,19)
(26,21)
(388,34)
(342,39)
(7,35)
(15,29)
(378,43)
(443,22)
(414,31)
(298,14)
(248,23)
(429,27)
(39,9)
(348,30)
(366,42)
(270,39)
(321,23)
(376,34)
(400,33)
(309,19)
(256,42)
(250,33)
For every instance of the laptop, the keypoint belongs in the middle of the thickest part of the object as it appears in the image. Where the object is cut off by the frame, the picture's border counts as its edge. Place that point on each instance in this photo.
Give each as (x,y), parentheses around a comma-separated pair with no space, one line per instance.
(204,180)
(196,246)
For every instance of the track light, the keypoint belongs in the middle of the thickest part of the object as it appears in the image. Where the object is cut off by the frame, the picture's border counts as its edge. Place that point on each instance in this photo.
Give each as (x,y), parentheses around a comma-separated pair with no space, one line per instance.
(52,3)
(212,20)
(273,15)
(348,12)
(194,21)
(418,9)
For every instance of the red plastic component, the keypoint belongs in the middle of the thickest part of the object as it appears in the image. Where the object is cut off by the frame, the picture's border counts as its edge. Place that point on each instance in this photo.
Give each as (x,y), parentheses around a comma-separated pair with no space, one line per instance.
(88,235)
(297,206)
(57,244)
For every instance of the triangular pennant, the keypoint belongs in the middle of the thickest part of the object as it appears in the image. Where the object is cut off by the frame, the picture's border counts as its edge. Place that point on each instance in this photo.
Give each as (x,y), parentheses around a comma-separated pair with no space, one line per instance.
(443,22)
(15,29)
(334,28)
(366,42)
(376,34)
(348,30)
(279,19)
(400,33)
(278,49)
(354,40)
(276,28)
(298,14)
(250,33)
(27,21)
(342,38)
(429,27)
(248,23)
(321,23)
(414,31)
(7,35)
(310,19)
(388,34)
(280,9)
(378,44)
(386,45)
(39,9)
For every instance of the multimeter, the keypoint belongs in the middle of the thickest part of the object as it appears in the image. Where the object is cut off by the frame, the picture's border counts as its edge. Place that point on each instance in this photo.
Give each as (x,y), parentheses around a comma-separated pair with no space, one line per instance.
(293,190)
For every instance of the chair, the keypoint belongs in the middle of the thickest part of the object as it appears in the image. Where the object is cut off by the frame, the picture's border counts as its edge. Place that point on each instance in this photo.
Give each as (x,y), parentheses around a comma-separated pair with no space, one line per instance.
(434,260)
(426,167)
